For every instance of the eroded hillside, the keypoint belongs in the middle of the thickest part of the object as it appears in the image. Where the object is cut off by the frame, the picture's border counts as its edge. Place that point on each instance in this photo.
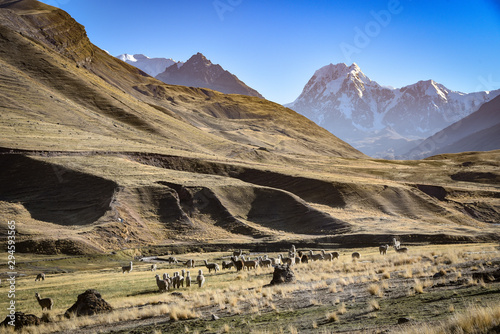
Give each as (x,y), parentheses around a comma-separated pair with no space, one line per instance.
(97,155)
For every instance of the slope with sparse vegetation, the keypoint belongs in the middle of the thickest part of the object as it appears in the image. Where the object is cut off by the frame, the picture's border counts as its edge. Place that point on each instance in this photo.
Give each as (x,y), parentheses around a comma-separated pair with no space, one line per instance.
(98,156)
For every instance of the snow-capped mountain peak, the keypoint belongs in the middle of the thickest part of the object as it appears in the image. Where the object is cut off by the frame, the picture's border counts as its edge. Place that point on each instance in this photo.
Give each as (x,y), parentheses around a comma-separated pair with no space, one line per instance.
(337,71)
(127,58)
(346,102)
(428,88)
(152,66)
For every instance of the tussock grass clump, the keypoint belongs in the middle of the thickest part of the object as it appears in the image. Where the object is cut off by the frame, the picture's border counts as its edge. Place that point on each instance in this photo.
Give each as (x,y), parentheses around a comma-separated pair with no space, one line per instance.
(418,286)
(408,273)
(374,290)
(319,285)
(316,302)
(342,281)
(292,329)
(342,309)
(475,319)
(332,317)
(373,305)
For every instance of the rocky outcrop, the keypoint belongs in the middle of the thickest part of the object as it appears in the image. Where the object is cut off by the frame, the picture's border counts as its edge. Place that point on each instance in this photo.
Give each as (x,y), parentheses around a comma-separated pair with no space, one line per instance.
(89,303)
(20,320)
(283,274)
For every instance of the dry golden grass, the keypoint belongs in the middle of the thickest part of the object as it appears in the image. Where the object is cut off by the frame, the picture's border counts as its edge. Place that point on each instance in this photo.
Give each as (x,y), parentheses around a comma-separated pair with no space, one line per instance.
(418,286)
(224,291)
(230,129)
(407,273)
(374,290)
(332,317)
(342,309)
(477,319)
(292,329)
(373,305)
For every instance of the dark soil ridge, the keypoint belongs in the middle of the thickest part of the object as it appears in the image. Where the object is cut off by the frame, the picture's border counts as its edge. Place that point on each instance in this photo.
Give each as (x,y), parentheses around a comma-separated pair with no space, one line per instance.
(54,193)
(305,188)
(333,194)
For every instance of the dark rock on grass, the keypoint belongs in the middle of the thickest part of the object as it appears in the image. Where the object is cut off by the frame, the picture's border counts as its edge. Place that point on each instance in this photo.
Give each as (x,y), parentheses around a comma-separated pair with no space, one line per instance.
(89,303)
(282,274)
(404,320)
(21,320)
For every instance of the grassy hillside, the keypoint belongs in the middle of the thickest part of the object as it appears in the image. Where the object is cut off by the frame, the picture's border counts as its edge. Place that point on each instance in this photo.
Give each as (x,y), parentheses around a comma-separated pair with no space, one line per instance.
(97,156)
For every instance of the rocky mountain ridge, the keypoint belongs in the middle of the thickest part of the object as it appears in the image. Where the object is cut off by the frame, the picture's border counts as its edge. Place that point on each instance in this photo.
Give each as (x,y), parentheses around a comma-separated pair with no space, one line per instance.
(198,71)
(480,131)
(346,102)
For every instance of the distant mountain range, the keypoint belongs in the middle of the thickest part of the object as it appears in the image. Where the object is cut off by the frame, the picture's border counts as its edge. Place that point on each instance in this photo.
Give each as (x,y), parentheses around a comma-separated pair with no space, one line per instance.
(198,71)
(380,121)
(480,131)
(152,66)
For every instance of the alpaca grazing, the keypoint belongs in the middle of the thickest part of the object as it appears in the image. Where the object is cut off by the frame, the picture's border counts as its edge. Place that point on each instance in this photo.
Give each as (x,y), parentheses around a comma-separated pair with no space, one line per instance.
(227,265)
(355,255)
(401,249)
(211,266)
(40,277)
(189,263)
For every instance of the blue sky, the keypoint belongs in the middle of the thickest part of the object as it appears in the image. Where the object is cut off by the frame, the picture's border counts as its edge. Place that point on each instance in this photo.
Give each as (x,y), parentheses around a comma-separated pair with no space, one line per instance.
(276,46)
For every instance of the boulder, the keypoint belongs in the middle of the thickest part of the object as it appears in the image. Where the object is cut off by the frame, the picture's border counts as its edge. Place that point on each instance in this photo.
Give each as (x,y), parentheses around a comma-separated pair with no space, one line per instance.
(282,274)
(89,303)
(404,320)
(21,320)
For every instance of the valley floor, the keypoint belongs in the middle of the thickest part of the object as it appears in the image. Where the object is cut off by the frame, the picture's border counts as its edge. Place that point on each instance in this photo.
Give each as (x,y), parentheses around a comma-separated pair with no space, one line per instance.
(428,286)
